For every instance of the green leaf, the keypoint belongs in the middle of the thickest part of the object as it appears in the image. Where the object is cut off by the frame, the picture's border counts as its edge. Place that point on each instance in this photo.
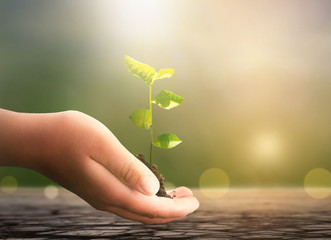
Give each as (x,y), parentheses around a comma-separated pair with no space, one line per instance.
(164,73)
(167,100)
(142,118)
(140,70)
(167,140)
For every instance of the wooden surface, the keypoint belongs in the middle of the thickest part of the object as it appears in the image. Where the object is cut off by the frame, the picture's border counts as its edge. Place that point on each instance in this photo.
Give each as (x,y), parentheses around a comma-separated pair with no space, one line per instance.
(240,214)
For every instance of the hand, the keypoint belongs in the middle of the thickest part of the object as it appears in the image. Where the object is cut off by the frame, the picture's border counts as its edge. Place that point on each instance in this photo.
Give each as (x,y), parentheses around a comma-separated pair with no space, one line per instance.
(81,154)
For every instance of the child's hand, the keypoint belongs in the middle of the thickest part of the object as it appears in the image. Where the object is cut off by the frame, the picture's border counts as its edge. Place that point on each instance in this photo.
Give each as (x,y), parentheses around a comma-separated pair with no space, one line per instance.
(82,155)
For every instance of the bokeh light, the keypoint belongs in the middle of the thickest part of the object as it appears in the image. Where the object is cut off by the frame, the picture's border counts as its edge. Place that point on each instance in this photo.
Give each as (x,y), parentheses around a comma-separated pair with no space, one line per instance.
(317,183)
(9,184)
(214,183)
(51,192)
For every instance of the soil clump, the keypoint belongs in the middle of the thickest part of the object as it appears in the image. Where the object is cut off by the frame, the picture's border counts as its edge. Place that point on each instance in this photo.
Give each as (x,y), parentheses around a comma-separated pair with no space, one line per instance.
(162,192)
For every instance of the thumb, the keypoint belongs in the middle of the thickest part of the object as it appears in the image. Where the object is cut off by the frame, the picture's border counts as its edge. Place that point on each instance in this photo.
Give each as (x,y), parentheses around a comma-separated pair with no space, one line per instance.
(125,166)
(138,176)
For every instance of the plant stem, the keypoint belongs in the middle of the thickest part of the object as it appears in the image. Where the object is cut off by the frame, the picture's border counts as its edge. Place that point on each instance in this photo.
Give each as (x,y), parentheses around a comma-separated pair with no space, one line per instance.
(151,128)
(150,154)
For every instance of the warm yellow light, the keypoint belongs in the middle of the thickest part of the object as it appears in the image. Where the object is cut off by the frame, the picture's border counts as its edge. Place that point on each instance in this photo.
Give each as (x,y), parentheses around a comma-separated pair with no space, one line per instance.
(250,56)
(267,146)
(214,183)
(317,183)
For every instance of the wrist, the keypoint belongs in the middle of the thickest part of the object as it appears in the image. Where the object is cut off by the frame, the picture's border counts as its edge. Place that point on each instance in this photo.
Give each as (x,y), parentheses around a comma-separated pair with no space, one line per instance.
(21,139)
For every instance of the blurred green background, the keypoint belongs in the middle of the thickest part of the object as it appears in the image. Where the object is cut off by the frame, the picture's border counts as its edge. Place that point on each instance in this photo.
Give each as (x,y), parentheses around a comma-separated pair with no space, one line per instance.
(255,76)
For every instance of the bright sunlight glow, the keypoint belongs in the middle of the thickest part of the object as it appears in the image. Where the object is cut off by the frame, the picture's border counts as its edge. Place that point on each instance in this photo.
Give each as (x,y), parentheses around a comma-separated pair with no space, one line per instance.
(266,146)
(138,19)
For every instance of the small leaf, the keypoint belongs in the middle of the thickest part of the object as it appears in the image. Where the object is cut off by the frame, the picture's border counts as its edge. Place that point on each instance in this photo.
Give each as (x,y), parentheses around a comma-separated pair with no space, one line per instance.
(164,73)
(167,140)
(140,70)
(167,100)
(142,118)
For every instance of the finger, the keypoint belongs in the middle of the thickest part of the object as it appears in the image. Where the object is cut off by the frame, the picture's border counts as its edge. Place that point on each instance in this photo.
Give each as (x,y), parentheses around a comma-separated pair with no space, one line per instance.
(103,190)
(160,207)
(152,206)
(180,192)
(116,158)
(132,216)
(152,217)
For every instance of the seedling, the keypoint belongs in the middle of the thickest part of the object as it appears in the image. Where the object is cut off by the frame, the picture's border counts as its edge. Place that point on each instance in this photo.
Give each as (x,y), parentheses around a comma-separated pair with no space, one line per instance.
(143,118)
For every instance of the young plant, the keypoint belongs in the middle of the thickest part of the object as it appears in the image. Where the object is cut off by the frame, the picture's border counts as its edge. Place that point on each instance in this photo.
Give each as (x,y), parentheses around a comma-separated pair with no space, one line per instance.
(143,118)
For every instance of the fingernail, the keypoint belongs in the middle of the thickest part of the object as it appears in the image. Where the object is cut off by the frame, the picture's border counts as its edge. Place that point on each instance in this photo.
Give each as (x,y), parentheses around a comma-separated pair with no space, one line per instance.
(197,204)
(150,185)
